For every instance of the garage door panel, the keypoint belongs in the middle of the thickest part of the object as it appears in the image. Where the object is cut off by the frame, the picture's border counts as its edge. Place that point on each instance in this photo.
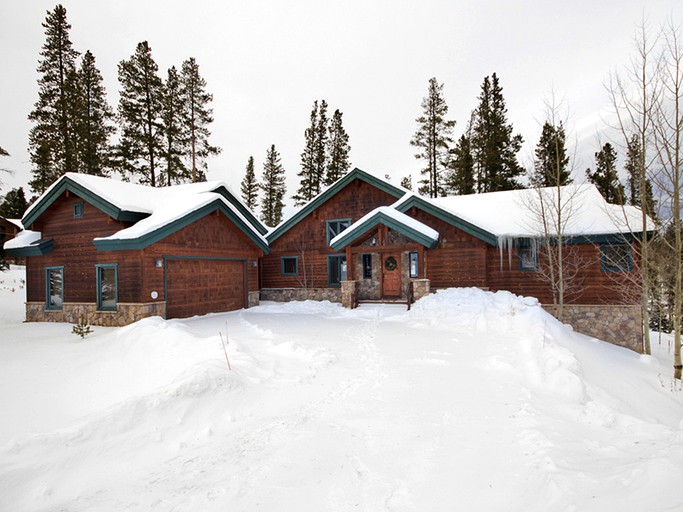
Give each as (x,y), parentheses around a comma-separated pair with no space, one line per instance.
(197,287)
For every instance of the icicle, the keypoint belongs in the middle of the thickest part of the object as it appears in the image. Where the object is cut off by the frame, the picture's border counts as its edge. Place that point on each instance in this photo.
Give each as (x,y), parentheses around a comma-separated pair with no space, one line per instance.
(504,242)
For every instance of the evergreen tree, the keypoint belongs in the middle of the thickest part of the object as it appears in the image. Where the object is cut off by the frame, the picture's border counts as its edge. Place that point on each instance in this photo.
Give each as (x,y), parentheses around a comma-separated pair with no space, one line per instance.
(249,186)
(494,147)
(140,103)
(51,138)
(550,165)
(174,122)
(433,136)
(634,156)
(273,186)
(605,176)
(338,150)
(199,117)
(93,117)
(14,204)
(309,185)
(407,182)
(460,179)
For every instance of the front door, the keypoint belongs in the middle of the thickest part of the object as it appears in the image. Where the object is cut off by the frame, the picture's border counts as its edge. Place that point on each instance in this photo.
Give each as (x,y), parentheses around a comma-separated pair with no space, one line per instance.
(391,275)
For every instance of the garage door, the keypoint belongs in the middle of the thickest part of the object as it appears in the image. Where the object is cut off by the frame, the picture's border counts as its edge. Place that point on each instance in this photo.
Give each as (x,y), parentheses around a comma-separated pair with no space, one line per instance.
(197,287)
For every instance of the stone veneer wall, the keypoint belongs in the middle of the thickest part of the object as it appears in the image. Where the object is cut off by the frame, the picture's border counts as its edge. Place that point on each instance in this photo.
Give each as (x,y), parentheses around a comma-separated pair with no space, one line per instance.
(420,288)
(71,313)
(253,299)
(620,325)
(289,294)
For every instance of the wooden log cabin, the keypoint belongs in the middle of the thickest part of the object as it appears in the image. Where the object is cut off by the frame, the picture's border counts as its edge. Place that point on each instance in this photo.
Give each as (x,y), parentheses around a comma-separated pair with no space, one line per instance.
(116,252)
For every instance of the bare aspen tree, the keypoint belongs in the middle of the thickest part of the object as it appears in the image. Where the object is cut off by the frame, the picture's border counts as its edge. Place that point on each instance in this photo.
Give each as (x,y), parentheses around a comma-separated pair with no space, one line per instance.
(633,93)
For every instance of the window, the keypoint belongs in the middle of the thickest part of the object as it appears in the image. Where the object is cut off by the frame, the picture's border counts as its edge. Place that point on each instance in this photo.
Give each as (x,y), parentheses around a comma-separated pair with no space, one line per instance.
(78,210)
(54,279)
(289,266)
(615,258)
(336,269)
(107,287)
(334,227)
(528,254)
(412,257)
(367,266)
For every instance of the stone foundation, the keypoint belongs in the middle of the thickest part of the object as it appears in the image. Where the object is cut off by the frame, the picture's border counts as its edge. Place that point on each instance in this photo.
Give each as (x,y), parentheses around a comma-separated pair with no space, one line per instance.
(349,294)
(620,325)
(420,288)
(290,294)
(71,313)
(253,299)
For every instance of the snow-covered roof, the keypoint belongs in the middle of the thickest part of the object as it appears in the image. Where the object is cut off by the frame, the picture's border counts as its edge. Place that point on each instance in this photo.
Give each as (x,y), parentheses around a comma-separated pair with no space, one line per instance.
(23,239)
(517,213)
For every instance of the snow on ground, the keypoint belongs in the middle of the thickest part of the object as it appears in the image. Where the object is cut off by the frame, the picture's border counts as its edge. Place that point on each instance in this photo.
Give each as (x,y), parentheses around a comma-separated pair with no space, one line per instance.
(470,401)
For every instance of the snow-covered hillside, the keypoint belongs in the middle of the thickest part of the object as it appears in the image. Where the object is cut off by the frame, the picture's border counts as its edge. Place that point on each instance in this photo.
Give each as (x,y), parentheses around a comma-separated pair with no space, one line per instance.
(470,401)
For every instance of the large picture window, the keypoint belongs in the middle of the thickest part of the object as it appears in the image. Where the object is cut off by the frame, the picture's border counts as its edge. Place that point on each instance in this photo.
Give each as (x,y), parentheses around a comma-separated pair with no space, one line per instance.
(107,287)
(615,258)
(336,226)
(54,280)
(336,269)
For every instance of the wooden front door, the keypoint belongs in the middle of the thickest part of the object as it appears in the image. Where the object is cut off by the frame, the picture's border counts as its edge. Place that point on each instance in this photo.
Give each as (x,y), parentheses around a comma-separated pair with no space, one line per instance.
(391,275)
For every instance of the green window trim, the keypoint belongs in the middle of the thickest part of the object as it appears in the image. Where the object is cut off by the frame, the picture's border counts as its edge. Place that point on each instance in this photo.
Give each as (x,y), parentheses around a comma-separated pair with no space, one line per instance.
(285,261)
(107,299)
(610,262)
(334,226)
(78,210)
(53,301)
(336,269)
(414,264)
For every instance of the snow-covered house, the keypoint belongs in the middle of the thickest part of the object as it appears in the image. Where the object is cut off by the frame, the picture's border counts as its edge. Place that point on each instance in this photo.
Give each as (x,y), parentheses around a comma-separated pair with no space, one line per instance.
(117,252)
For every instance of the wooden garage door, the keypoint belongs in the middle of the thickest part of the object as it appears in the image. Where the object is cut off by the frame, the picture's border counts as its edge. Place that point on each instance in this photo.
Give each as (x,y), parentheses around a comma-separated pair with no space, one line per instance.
(197,287)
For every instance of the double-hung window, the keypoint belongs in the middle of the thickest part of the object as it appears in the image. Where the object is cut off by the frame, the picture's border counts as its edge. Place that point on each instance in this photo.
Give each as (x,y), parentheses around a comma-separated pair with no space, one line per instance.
(54,292)
(107,287)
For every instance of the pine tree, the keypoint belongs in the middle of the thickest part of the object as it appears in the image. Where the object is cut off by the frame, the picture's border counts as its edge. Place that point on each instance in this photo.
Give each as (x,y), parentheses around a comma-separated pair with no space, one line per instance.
(494,146)
(605,176)
(338,150)
(634,156)
(14,204)
(309,185)
(273,186)
(407,182)
(51,138)
(199,117)
(249,186)
(460,178)
(550,165)
(174,122)
(140,103)
(433,136)
(93,117)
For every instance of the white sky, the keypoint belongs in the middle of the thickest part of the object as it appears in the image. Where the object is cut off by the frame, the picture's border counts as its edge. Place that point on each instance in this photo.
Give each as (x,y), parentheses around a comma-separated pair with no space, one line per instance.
(267,61)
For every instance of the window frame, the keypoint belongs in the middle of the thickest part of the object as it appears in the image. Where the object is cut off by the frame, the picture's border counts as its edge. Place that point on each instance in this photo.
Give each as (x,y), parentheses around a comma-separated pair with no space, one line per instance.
(608,267)
(335,221)
(416,256)
(367,265)
(48,288)
(98,272)
(525,244)
(282,265)
(79,209)
(338,257)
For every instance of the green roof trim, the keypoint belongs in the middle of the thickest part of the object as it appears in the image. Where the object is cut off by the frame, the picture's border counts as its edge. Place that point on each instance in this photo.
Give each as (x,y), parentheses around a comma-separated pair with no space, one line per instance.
(67,184)
(351,234)
(246,212)
(35,249)
(439,213)
(330,192)
(154,236)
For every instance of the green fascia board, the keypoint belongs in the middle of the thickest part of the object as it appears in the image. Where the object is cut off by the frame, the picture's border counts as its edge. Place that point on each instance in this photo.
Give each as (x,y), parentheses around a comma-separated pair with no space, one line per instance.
(154,236)
(102,204)
(611,238)
(35,249)
(449,218)
(380,218)
(331,191)
(246,213)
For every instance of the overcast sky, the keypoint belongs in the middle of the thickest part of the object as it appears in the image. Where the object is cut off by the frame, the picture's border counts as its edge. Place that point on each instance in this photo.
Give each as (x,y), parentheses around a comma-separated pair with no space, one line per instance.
(267,61)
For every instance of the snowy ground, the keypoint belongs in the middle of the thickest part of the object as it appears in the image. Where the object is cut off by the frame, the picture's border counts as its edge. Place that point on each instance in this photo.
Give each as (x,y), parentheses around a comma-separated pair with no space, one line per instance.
(471,401)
